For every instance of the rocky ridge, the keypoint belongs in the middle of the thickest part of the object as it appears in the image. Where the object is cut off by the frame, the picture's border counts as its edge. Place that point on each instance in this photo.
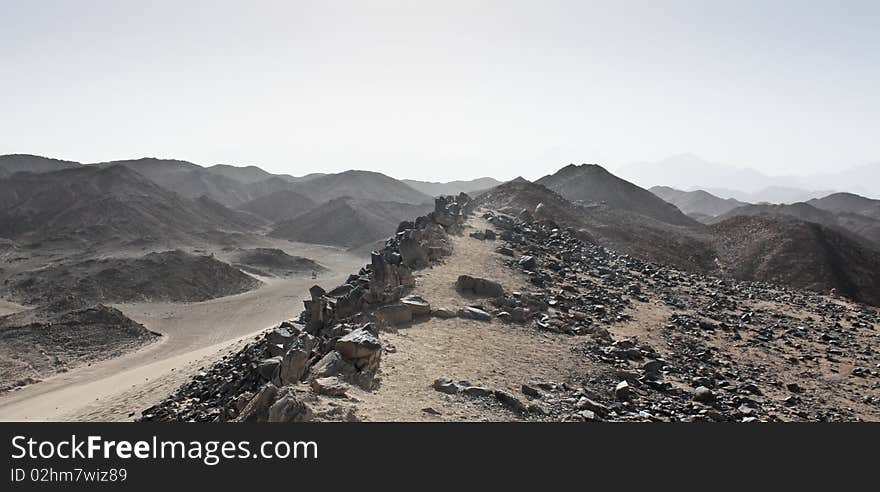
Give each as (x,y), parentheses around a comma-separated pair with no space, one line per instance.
(655,343)
(333,344)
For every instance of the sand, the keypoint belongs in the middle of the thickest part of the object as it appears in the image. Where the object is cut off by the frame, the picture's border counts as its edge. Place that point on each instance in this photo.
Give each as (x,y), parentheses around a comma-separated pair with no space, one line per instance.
(194,335)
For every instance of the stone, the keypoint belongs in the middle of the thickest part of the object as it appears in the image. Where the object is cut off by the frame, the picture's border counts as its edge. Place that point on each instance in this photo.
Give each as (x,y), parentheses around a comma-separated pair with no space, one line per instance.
(510,401)
(527,262)
(445,385)
(358,344)
(417,305)
(268,368)
(585,403)
(476,391)
(295,360)
(478,235)
(794,388)
(479,286)
(529,391)
(256,408)
(395,314)
(330,386)
(474,313)
(330,365)
(502,250)
(704,395)
(490,235)
(623,391)
(288,408)
(444,313)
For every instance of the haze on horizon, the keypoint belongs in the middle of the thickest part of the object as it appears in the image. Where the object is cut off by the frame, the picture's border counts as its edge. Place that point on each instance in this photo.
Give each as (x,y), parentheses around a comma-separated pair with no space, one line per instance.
(443,91)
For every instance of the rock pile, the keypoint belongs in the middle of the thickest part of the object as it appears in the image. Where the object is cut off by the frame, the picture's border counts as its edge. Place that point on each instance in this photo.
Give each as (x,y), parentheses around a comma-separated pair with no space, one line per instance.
(729,351)
(333,344)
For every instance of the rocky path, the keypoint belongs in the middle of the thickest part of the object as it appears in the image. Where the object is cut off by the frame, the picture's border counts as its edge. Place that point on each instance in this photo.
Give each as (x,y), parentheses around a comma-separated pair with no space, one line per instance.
(491,354)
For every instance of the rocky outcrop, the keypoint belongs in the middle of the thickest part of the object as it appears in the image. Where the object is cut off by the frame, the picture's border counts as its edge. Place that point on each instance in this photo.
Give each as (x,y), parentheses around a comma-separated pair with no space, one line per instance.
(334,342)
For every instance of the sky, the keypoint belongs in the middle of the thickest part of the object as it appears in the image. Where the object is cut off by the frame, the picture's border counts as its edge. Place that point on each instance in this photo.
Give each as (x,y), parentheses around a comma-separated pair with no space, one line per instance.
(443,90)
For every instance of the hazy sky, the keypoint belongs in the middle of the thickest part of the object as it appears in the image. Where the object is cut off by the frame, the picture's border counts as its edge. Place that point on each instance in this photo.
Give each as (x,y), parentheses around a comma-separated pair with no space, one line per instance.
(443,89)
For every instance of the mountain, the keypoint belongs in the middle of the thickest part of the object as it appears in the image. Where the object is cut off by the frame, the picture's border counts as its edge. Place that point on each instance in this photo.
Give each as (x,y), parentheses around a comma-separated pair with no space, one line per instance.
(800,254)
(189,180)
(244,174)
(770,194)
(592,183)
(862,226)
(280,205)
(696,202)
(801,211)
(690,172)
(113,204)
(13,163)
(622,230)
(687,171)
(348,222)
(763,247)
(274,262)
(170,276)
(361,185)
(452,187)
(864,179)
(848,202)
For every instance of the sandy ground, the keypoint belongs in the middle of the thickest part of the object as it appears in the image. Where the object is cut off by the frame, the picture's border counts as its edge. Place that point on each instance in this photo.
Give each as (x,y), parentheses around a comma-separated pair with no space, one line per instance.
(7,307)
(194,334)
(491,354)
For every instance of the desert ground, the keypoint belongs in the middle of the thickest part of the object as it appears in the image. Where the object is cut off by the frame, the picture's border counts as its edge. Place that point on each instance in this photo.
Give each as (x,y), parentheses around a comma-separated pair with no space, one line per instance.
(193,336)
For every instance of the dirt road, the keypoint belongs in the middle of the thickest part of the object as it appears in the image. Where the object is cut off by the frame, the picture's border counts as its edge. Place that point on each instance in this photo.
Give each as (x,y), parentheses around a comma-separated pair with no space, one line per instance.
(193,335)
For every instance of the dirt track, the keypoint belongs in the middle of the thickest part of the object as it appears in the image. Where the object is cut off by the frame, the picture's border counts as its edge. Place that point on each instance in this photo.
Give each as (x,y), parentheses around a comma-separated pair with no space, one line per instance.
(193,335)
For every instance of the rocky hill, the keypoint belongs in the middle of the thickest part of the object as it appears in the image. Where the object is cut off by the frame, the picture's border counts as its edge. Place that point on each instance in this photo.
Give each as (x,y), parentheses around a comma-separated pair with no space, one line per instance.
(452,187)
(14,163)
(848,203)
(39,343)
(591,183)
(347,222)
(724,249)
(361,185)
(520,319)
(800,254)
(171,276)
(106,205)
(858,226)
(274,262)
(622,230)
(698,202)
(280,205)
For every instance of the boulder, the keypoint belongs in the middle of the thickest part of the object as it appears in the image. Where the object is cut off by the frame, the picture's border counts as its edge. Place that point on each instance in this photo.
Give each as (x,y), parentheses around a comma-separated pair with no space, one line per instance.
(288,408)
(330,386)
(395,314)
(510,401)
(330,365)
(704,395)
(359,344)
(256,408)
(268,368)
(417,305)
(444,313)
(479,286)
(295,360)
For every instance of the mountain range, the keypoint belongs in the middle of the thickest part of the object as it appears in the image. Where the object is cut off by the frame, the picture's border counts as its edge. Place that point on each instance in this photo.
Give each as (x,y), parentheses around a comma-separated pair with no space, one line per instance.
(177,202)
(690,172)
